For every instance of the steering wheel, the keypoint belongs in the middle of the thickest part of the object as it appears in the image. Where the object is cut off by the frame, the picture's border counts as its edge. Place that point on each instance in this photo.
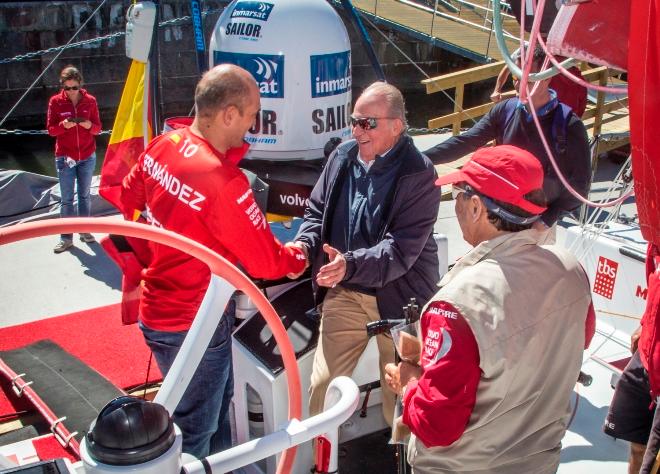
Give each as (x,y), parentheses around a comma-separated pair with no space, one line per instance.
(217,264)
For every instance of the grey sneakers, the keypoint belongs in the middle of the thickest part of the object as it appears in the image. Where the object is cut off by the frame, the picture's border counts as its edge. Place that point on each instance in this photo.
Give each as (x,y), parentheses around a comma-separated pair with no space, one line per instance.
(87,238)
(62,246)
(67,244)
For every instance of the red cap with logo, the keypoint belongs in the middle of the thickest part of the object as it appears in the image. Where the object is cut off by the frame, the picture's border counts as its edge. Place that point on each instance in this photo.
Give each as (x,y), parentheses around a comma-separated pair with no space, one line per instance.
(504,173)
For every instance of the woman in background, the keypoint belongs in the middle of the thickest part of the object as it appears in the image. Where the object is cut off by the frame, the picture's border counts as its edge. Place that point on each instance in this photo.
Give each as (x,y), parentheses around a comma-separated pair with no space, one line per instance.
(73,119)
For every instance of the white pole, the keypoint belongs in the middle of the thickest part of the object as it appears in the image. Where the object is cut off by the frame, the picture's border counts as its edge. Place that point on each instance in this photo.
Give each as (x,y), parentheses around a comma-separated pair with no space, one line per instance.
(342,389)
(195,344)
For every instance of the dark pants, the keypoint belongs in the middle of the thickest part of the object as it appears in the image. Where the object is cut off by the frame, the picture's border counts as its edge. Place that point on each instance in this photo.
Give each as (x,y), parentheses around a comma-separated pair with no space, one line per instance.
(653,444)
(203,412)
(631,416)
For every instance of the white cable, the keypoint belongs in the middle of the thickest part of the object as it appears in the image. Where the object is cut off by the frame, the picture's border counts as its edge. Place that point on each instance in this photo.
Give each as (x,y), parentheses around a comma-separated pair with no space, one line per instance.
(460,108)
(51,63)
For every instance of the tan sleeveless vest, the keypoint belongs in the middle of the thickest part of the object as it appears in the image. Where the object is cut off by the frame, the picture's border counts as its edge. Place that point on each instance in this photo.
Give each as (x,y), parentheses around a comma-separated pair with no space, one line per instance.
(526,306)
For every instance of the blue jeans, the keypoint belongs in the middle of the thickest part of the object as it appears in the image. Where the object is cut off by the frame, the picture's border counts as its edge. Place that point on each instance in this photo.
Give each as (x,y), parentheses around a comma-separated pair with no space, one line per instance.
(82,171)
(203,412)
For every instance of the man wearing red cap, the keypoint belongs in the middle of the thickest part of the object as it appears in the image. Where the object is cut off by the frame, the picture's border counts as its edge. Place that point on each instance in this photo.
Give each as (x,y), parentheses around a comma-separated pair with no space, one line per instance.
(502,340)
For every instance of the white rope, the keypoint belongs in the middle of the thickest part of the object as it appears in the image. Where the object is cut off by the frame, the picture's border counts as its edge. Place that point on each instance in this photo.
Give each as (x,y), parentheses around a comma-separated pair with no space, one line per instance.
(51,63)
(461,109)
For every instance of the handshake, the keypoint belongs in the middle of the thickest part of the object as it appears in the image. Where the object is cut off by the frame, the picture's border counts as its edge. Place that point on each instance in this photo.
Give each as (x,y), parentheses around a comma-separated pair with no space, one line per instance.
(305,251)
(331,273)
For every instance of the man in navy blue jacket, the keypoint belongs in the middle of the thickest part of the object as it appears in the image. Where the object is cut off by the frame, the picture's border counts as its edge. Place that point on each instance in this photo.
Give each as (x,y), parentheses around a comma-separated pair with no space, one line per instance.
(511,123)
(368,234)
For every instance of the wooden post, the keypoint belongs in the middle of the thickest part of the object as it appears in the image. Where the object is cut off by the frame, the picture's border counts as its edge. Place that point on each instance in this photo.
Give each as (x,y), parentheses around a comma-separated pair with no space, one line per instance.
(458,107)
(600,101)
(435,9)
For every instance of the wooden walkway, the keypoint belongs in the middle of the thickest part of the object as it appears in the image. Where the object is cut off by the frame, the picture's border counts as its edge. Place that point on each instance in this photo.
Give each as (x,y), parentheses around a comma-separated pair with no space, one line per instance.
(607,119)
(473,42)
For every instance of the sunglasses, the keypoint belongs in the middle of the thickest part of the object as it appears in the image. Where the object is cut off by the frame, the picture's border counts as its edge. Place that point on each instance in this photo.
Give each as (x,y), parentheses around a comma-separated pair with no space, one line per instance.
(70,88)
(457,191)
(367,123)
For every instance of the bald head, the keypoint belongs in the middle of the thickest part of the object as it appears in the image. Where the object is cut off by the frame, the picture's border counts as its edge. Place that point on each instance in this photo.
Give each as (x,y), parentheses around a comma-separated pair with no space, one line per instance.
(223,86)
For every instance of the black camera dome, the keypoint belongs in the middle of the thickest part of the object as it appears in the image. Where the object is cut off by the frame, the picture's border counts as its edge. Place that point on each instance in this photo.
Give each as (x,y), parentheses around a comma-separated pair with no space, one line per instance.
(130,430)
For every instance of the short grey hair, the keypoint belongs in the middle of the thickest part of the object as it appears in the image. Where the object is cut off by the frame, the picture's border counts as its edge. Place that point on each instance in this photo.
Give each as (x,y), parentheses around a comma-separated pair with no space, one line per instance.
(396,105)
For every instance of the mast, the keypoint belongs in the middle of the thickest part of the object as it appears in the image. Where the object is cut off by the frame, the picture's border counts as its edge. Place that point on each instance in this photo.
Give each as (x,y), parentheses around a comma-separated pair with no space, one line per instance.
(198,28)
(154,76)
(366,40)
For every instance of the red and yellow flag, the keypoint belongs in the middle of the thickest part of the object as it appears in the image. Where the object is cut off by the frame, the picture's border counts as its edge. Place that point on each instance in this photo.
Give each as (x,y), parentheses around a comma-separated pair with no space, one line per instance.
(130,133)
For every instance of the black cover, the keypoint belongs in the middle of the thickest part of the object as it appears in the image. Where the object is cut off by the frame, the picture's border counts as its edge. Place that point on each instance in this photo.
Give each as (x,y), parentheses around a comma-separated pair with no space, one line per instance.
(68,386)
(255,335)
(28,196)
(289,183)
(130,430)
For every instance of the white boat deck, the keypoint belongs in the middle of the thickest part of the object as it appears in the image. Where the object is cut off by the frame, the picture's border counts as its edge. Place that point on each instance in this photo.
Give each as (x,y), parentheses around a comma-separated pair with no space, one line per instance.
(36,283)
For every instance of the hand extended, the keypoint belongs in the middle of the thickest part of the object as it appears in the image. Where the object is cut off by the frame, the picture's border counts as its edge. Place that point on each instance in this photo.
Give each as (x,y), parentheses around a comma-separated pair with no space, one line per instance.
(305,251)
(634,339)
(332,273)
(398,376)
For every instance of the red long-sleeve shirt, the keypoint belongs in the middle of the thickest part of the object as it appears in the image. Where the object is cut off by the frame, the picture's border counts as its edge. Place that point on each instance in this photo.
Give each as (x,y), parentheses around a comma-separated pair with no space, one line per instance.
(437,407)
(649,346)
(188,187)
(76,142)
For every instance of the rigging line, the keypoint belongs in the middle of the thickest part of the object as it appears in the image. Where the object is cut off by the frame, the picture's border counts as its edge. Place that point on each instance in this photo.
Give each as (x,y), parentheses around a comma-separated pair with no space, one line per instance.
(397,48)
(51,62)
(561,176)
(590,228)
(615,185)
(504,50)
(564,71)
(622,315)
(460,108)
(98,39)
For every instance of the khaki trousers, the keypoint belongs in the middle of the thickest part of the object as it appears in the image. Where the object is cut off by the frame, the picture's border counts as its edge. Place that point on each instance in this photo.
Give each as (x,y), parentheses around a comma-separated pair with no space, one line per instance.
(342,340)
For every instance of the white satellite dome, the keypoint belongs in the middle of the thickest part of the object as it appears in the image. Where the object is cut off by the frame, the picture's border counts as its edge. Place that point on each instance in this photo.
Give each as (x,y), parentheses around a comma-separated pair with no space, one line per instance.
(299,53)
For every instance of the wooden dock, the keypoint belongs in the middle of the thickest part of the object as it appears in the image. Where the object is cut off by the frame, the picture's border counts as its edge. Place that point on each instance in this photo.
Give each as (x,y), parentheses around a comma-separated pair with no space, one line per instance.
(608,120)
(605,119)
(467,33)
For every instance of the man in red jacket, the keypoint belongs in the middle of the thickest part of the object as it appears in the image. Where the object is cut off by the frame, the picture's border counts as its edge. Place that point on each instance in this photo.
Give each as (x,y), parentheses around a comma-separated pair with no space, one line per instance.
(73,119)
(188,181)
(633,414)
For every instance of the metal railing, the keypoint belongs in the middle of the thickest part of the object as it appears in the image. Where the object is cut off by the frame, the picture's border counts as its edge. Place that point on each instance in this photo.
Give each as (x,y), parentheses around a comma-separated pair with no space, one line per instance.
(342,400)
(458,80)
(463,12)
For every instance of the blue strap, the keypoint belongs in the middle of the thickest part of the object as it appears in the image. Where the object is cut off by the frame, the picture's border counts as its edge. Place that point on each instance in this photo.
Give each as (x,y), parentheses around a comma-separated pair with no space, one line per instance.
(560,127)
(561,118)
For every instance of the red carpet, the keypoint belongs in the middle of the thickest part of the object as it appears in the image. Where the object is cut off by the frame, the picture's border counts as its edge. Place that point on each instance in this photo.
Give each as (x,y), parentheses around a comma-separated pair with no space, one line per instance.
(48,447)
(97,337)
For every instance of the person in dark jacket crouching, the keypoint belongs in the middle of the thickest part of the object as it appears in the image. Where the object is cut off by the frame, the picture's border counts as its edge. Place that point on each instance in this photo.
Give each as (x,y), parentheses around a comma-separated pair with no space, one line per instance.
(368,236)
